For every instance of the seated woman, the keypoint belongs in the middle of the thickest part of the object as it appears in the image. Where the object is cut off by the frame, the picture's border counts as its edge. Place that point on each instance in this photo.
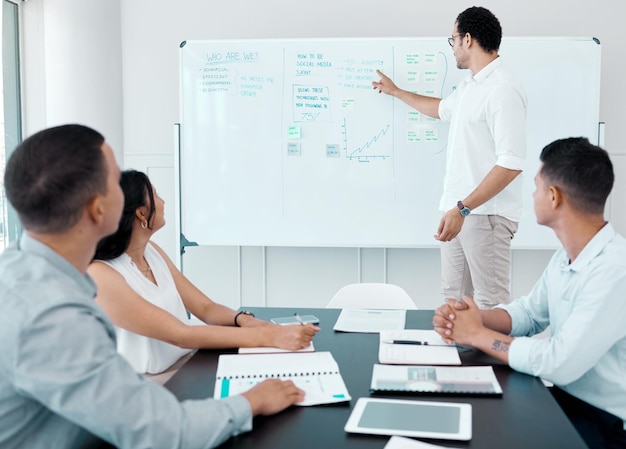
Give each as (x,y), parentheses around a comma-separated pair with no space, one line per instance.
(147,297)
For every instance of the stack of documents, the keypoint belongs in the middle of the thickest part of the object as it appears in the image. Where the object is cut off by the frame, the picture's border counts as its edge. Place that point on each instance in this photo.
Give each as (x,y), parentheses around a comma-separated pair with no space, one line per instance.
(416,347)
(455,380)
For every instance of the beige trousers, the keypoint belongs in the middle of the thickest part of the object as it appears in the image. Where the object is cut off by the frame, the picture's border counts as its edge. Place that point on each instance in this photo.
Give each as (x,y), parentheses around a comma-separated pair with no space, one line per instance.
(477,262)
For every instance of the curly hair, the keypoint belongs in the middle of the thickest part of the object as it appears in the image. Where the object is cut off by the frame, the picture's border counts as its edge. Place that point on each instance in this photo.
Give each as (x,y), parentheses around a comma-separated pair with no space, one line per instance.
(482,25)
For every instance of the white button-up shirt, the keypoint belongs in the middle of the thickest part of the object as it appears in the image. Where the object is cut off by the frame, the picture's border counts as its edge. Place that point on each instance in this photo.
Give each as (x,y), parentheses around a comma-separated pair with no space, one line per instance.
(487,115)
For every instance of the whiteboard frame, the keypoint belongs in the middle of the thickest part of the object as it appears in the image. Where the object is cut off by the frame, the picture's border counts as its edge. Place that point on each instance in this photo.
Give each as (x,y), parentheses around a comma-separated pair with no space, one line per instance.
(528,205)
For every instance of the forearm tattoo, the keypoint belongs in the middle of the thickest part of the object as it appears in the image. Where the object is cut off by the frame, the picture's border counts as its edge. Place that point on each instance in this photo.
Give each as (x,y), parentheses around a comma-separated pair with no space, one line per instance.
(500,346)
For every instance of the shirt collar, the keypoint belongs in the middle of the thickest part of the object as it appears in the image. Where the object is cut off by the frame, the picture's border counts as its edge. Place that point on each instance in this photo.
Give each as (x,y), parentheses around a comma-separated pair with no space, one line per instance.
(591,249)
(30,245)
(487,70)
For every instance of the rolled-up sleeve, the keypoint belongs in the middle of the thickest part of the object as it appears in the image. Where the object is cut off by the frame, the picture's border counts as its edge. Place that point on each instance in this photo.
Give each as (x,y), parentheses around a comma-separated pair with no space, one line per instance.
(510,162)
(447,105)
(506,117)
(519,355)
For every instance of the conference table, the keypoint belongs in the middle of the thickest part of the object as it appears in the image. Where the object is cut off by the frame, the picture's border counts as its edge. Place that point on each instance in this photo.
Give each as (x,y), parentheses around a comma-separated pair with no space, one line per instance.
(525,416)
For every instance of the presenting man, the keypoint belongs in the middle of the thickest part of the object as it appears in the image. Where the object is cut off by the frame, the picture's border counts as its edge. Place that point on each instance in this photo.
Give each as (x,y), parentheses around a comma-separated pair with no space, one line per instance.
(61,378)
(581,296)
(482,192)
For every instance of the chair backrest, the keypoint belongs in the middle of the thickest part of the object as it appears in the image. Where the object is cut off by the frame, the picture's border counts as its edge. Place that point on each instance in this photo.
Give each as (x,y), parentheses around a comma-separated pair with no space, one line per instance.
(371,295)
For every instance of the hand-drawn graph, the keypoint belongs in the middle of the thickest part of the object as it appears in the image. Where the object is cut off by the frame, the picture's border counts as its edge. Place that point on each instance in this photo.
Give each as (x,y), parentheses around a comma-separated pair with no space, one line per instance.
(368,150)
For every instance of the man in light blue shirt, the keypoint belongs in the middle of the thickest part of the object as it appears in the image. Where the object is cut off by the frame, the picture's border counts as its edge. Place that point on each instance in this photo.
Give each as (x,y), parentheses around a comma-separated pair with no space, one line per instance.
(581,296)
(62,382)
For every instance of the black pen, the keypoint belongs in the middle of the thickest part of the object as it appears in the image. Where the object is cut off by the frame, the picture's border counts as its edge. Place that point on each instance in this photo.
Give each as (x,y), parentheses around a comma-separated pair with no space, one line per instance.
(415,342)
(406,342)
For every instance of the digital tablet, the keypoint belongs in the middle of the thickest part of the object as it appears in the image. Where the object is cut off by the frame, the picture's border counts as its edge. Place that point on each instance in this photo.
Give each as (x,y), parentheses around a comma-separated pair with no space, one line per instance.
(306,319)
(444,420)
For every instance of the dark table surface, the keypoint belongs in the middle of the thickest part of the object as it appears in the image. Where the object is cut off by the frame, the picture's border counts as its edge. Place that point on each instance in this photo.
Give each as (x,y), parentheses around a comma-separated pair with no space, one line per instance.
(526,416)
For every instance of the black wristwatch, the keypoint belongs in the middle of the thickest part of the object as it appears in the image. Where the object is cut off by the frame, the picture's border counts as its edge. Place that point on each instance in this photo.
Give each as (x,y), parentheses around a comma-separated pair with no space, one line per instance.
(465,211)
(243,312)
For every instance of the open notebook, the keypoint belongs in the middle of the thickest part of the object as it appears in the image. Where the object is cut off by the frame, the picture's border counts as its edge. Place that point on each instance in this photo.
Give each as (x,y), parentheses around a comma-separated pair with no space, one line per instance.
(317,373)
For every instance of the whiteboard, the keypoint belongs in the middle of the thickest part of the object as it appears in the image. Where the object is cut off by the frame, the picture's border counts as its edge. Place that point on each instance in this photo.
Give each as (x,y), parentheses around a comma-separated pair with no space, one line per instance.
(285,143)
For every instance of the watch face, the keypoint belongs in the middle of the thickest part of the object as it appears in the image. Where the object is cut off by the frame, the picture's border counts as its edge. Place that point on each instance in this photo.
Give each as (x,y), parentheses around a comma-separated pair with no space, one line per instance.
(465,211)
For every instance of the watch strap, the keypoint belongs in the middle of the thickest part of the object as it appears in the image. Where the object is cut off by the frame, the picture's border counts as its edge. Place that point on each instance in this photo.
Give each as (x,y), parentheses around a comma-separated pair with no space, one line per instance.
(242,312)
(463,209)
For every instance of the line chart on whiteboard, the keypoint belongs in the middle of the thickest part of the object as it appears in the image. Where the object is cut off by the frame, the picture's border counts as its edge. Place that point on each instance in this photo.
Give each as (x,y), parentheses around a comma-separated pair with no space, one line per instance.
(369,150)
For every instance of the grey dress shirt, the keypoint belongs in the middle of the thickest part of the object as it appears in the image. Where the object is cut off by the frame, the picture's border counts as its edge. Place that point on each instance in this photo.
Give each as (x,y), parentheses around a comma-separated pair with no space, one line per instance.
(62,382)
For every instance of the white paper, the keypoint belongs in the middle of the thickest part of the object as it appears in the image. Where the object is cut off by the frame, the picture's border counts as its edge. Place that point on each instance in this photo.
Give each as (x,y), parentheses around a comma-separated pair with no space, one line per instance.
(396,442)
(271,349)
(437,352)
(370,320)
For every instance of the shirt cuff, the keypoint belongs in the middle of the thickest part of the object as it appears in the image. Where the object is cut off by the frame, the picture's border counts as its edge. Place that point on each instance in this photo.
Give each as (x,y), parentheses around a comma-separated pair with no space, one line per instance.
(518,318)
(242,413)
(442,111)
(210,422)
(519,355)
(510,162)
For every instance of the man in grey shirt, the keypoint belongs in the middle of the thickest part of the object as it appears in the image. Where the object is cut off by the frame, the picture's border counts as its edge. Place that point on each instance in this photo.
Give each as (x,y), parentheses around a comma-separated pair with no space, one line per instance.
(62,382)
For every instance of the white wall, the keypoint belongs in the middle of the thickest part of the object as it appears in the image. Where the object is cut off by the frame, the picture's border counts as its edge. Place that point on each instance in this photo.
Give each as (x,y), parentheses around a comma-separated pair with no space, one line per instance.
(149,34)
(71,58)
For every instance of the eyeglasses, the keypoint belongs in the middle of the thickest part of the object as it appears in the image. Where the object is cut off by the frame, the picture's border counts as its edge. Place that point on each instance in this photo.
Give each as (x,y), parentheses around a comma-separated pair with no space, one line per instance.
(451,39)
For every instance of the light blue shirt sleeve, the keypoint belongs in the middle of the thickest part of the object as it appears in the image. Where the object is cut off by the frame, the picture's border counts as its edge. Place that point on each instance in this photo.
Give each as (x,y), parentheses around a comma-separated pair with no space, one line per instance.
(67,361)
(587,322)
(529,314)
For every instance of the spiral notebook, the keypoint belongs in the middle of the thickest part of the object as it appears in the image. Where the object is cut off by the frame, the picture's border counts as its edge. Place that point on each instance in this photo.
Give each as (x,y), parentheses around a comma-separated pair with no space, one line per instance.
(272,349)
(456,380)
(317,373)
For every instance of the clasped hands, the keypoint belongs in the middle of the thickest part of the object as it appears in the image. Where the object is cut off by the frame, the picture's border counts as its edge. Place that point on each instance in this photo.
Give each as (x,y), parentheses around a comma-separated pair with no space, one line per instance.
(458,321)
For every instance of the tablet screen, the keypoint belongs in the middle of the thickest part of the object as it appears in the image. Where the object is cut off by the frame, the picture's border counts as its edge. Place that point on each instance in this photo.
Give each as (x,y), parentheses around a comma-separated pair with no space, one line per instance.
(415,417)
(446,420)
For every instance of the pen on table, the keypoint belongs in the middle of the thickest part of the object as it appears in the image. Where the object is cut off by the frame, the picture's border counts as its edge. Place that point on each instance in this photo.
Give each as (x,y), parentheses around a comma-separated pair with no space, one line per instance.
(414,342)
(406,342)
(298,318)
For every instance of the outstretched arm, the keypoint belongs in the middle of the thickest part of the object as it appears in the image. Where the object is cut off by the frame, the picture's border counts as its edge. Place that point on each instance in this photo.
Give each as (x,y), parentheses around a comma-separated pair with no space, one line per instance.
(132,312)
(199,304)
(424,104)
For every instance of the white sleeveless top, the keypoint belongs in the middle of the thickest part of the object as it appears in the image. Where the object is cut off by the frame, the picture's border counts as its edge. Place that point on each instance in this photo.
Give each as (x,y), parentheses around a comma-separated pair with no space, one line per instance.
(148,355)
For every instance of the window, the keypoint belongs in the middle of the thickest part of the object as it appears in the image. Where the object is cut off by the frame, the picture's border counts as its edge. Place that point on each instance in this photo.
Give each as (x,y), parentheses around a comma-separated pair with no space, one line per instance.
(10,113)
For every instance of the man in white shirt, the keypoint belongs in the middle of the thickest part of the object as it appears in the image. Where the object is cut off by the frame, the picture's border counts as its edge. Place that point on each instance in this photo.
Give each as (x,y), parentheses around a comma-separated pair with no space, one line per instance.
(580,296)
(482,192)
